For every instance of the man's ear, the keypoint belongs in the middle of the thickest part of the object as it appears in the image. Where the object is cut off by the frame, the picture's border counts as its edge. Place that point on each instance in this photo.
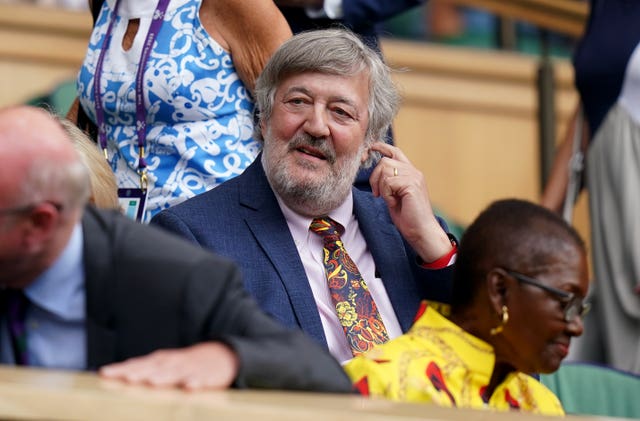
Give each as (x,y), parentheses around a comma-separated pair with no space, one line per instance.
(263,129)
(369,157)
(40,225)
(366,153)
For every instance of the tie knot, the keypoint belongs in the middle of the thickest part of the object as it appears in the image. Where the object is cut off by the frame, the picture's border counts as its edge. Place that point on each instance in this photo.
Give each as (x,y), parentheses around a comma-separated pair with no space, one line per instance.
(325,226)
(16,302)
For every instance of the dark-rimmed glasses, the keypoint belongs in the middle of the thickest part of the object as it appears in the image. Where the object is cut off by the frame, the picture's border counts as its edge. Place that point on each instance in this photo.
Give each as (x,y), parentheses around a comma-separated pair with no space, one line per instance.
(574,306)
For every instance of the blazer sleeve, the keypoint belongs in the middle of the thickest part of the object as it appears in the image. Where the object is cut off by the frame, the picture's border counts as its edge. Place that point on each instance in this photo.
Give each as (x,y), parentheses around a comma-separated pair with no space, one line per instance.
(172,223)
(271,356)
(435,284)
(359,13)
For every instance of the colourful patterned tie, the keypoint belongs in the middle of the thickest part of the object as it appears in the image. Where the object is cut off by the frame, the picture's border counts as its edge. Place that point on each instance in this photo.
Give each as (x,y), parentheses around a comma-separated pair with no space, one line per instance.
(16,308)
(355,307)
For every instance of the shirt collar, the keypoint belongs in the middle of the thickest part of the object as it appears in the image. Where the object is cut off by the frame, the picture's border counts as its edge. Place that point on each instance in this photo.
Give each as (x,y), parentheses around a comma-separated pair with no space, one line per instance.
(463,342)
(56,290)
(299,224)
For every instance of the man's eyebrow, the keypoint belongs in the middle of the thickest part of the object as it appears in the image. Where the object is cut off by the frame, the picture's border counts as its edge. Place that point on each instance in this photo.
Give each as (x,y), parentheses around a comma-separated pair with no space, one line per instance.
(334,99)
(338,98)
(344,100)
(299,89)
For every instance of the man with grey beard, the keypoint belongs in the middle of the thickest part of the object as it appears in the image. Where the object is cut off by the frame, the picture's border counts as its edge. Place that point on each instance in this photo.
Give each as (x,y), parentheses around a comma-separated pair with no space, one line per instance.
(325,103)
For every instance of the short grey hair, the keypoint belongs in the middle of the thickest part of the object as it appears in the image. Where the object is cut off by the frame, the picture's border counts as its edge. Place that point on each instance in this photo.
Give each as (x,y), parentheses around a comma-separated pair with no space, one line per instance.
(334,52)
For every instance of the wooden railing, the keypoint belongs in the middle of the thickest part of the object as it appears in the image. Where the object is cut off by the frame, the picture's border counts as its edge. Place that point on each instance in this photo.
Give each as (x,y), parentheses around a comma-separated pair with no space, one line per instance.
(565,16)
(39,48)
(23,29)
(33,394)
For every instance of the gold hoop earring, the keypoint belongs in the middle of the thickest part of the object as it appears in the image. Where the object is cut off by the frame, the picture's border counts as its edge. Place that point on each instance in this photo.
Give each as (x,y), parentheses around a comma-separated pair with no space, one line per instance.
(503,322)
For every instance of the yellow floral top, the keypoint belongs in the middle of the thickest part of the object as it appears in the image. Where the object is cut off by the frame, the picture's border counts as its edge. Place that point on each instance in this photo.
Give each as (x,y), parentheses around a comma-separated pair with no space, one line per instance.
(438,362)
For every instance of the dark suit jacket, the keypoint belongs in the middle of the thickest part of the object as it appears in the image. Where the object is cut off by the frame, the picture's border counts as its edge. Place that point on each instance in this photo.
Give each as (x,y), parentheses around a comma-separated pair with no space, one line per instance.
(241,219)
(147,290)
(361,16)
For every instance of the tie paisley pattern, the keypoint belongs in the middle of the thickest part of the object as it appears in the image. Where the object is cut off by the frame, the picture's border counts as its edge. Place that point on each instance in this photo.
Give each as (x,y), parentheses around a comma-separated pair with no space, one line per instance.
(356,309)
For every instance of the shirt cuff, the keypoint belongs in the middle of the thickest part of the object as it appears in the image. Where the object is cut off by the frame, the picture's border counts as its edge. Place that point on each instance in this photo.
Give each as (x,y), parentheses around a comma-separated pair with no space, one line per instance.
(331,9)
(446,260)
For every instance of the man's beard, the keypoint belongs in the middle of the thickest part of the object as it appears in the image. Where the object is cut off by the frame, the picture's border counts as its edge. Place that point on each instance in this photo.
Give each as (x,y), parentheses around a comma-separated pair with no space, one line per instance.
(311,196)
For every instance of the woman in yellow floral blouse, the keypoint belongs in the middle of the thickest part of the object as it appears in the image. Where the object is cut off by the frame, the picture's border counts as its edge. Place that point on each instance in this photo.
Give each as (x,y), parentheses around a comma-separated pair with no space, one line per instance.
(520,279)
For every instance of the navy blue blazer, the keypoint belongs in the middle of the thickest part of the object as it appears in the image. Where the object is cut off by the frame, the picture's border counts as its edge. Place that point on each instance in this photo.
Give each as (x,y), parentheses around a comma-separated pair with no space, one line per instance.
(361,16)
(241,219)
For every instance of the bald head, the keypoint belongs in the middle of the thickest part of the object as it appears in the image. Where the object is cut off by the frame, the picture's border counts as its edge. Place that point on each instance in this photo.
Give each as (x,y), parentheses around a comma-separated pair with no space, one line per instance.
(38,162)
(43,189)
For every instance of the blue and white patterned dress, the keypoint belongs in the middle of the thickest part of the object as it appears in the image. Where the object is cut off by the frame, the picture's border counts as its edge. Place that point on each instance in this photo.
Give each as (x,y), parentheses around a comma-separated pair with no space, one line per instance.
(198,111)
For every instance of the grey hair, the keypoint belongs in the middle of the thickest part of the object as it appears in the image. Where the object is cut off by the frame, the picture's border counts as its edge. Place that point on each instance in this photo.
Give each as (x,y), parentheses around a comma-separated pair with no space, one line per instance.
(104,189)
(334,52)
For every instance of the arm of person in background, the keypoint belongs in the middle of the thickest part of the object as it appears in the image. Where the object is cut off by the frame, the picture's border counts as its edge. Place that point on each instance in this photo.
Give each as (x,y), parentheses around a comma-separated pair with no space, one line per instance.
(239,344)
(404,190)
(358,12)
(251,30)
(555,190)
(72,114)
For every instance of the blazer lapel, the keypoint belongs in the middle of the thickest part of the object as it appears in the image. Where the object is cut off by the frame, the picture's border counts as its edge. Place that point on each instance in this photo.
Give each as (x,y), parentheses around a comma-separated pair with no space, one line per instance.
(101,339)
(268,225)
(390,256)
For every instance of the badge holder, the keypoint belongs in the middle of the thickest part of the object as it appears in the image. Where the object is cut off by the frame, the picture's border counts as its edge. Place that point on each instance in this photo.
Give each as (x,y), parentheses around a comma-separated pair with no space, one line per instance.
(133,201)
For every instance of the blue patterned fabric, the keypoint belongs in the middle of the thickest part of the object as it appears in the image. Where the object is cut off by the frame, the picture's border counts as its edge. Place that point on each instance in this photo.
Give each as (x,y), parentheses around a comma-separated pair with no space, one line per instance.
(199,113)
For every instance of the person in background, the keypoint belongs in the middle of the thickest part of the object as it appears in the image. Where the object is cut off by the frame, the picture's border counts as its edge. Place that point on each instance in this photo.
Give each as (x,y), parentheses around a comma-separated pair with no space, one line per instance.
(171,96)
(104,190)
(360,16)
(519,284)
(346,266)
(86,289)
(607,75)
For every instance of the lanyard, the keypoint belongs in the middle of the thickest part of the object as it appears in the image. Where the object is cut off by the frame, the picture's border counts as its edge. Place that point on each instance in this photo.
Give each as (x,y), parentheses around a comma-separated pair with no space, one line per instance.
(154,28)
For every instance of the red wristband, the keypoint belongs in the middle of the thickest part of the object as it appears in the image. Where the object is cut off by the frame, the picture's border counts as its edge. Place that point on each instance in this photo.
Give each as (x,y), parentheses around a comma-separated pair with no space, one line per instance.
(443,261)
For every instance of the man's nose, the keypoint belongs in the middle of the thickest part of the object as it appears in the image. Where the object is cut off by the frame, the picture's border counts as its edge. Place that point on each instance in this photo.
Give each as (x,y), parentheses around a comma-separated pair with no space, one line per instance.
(316,123)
